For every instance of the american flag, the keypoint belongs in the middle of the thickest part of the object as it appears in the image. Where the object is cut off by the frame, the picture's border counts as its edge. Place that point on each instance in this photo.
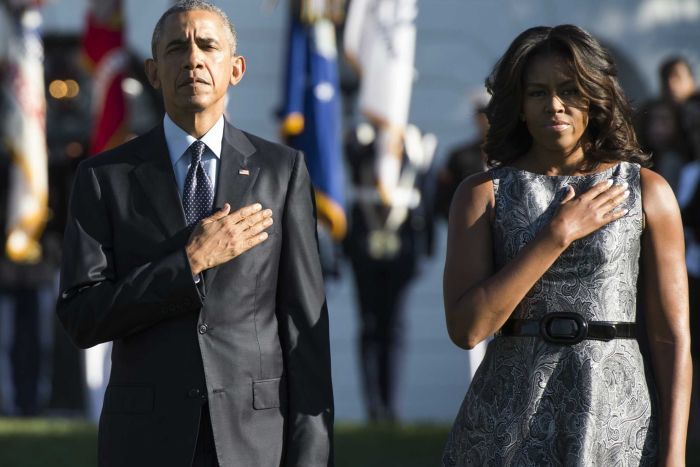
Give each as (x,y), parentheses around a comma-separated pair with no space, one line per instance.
(23,128)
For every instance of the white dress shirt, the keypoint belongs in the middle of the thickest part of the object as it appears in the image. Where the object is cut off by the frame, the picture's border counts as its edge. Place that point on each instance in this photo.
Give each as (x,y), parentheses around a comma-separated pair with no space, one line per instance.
(179,141)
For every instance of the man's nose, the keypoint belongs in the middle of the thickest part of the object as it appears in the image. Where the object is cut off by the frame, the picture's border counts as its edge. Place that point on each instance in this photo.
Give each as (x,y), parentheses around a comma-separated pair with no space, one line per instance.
(194,58)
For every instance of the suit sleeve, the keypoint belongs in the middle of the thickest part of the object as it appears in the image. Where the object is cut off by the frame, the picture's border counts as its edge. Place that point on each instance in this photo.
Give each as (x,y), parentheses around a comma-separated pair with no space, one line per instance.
(304,329)
(95,305)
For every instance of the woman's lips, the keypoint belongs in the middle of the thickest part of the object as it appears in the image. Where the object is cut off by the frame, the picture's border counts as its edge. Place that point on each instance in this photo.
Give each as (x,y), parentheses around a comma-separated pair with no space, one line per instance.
(557,126)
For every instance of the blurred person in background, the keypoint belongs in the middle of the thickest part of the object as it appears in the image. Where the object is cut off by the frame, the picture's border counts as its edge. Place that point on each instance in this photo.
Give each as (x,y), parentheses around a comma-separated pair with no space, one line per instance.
(390,225)
(690,125)
(661,134)
(544,251)
(28,252)
(660,130)
(689,200)
(677,79)
(27,299)
(384,244)
(463,160)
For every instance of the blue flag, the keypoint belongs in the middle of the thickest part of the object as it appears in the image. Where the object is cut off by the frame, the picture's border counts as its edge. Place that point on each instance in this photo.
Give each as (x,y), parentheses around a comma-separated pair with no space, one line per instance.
(311,115)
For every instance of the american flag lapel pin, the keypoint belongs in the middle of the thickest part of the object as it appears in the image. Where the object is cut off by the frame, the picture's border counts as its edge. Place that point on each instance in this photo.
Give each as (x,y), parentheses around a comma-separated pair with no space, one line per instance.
(243,171)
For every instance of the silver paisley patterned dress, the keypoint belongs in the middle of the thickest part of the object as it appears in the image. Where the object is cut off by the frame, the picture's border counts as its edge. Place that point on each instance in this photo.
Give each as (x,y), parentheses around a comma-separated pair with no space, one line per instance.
(533,403)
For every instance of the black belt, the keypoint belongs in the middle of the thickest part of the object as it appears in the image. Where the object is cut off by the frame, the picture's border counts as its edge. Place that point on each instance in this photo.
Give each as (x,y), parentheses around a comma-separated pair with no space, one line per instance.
(568,328)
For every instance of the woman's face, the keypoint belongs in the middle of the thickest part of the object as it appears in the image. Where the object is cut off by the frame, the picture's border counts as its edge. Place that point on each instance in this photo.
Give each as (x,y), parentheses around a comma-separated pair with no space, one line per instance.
(555,113)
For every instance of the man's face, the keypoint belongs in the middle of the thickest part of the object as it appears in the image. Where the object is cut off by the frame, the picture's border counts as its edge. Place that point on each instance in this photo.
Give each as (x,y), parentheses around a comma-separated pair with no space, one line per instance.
(194,64)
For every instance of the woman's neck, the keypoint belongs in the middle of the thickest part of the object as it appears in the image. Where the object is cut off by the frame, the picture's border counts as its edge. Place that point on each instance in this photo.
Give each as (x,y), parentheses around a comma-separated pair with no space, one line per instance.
(549,162)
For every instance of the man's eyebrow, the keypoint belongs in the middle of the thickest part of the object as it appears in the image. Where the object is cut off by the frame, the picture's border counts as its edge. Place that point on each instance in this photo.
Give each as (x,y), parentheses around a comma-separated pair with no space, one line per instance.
(176,42)
(199,40)
(206,40)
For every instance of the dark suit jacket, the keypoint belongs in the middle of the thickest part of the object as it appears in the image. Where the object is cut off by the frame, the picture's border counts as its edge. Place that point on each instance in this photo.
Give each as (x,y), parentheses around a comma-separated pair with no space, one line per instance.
(252,339)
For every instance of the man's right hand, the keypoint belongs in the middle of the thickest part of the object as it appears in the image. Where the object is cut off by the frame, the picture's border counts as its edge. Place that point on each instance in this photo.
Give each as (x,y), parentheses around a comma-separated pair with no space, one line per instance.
(222,236)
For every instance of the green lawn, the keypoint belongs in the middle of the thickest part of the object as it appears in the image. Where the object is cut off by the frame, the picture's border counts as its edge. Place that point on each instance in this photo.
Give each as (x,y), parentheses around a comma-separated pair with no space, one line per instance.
(47,442)
(70,443)
(389,446)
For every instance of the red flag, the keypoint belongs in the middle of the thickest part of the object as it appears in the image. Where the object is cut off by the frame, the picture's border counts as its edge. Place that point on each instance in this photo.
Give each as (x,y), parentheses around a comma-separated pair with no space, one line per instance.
(106,58)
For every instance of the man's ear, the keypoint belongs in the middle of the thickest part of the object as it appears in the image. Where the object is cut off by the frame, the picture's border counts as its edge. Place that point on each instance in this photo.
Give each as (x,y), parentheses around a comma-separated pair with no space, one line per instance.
(151,69)
(237,69)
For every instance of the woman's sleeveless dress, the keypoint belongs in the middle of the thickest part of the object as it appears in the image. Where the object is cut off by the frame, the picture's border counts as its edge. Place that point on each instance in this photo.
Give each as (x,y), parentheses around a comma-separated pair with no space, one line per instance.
(533,403)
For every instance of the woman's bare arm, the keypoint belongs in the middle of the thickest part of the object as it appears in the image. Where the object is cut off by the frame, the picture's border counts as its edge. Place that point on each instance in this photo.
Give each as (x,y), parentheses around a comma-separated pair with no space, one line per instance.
(477,299)
(666,289)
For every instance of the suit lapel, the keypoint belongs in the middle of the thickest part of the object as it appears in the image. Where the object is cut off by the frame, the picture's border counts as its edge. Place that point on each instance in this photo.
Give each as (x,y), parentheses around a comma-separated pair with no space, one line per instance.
(237,175)
(157,180)
(238,171)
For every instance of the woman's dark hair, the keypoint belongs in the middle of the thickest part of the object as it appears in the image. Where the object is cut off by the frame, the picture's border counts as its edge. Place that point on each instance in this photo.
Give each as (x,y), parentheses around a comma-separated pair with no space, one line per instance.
(609,136)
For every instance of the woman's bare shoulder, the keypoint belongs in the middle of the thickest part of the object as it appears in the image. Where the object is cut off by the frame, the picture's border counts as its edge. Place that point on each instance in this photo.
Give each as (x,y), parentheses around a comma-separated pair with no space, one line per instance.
(658,199)
(473,197)
(655,188)
(652,180)
(475,189)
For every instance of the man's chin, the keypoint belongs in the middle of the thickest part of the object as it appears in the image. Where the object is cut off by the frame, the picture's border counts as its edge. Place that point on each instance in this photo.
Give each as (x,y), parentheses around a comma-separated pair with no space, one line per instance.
(194,103)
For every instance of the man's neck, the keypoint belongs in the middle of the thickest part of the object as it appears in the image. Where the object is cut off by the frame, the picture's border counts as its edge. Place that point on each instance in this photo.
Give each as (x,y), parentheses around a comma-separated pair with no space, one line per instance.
(196,124)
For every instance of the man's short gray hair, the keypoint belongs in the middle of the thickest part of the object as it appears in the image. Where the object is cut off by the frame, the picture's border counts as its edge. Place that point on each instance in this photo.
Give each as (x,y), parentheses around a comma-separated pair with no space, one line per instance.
(191,5)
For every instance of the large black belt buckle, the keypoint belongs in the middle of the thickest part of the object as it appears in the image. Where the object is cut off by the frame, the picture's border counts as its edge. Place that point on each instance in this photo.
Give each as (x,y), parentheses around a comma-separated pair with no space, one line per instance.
(563,328)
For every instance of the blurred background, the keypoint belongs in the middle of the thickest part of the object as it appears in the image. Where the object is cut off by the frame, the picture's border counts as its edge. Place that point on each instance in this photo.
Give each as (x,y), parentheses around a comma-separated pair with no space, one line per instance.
(384,96)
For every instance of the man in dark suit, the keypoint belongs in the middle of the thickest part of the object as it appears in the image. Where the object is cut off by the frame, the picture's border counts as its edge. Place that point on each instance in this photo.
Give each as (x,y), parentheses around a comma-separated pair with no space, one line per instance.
(219,326)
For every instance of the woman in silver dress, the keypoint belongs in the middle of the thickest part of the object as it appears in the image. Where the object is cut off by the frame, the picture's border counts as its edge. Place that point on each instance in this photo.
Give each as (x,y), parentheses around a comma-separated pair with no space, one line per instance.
(544,251)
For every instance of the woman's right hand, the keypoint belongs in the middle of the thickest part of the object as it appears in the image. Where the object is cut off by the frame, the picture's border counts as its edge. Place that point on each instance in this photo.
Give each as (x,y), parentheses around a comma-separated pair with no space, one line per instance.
(479,297)
(581,215)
